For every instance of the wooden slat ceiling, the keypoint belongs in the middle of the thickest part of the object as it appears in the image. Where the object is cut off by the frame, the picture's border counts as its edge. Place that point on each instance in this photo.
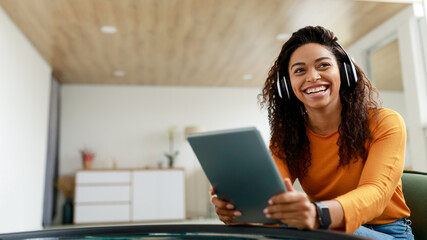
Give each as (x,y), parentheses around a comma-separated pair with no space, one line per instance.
(180,42)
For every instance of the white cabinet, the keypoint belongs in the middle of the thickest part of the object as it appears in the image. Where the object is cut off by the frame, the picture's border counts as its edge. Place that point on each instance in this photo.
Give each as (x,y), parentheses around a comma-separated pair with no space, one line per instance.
(158,195)
(102,196)
(129,195)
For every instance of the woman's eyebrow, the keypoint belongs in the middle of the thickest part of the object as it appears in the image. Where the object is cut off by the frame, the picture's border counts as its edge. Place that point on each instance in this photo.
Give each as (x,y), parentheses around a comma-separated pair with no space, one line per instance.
(322,58)
(296,64)
(317,60)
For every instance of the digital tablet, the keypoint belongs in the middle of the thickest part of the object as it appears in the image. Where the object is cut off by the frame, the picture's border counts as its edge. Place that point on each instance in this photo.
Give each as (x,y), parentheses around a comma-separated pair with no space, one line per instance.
(241,169)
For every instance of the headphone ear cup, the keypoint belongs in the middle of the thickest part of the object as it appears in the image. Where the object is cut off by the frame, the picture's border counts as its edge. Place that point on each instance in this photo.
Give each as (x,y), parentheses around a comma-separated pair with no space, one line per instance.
(287,87)
(352,74)
(349,76)
(345,80)
(282,86)
(348,72)
(279,86)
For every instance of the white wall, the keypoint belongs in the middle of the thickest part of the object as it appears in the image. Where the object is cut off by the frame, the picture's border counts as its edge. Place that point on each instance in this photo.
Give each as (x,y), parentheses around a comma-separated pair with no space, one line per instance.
(394,100)
(412,102)
(130,123)
(24,96)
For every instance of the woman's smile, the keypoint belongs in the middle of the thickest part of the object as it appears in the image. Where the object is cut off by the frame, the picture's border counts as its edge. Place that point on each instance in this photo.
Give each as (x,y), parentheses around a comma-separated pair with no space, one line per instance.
(316,90)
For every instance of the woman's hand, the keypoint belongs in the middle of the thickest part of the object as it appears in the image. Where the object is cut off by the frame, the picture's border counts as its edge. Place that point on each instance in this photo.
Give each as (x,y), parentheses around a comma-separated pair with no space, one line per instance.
(292,208)
(225,210)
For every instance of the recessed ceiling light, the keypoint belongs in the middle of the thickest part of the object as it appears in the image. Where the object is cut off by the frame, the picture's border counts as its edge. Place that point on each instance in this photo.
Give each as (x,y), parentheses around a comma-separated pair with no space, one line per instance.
(247,76)
(283,36)
(108,29)
(119,73)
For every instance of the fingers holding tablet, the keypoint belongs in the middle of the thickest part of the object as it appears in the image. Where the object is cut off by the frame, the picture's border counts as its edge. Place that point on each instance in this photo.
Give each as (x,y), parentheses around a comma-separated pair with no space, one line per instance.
(292,208)
(225,210)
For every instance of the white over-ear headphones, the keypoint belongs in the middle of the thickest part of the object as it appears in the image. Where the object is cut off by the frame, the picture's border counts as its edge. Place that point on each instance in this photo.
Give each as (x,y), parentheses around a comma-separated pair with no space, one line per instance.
(348,77)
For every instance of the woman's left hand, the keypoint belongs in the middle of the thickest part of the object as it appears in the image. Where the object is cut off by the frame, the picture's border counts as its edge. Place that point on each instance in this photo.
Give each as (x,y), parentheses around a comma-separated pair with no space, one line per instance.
(292,208)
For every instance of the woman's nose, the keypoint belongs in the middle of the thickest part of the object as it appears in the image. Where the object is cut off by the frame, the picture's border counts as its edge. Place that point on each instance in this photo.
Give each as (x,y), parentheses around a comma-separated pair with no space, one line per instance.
(313,76)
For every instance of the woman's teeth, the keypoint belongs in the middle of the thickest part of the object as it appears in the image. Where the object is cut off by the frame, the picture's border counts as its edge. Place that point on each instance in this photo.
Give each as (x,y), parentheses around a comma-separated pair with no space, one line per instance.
(315,90)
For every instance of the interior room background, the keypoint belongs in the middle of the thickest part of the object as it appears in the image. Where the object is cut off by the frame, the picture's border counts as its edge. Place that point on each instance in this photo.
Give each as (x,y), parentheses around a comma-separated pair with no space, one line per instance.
(130,123)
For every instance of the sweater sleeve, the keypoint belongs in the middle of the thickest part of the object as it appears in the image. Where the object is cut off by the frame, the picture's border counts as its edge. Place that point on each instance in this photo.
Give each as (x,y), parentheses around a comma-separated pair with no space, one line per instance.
(381,173)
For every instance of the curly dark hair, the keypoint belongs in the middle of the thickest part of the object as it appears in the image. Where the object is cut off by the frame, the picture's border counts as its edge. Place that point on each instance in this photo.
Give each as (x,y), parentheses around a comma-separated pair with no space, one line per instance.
(287,117)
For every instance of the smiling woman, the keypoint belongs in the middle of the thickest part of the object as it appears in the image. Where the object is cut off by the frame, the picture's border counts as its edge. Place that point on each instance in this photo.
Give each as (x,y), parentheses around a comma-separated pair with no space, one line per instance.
(330,134)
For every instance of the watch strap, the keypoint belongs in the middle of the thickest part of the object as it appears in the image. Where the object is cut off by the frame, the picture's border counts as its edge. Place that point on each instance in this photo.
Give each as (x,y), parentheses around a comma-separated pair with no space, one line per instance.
(323,215)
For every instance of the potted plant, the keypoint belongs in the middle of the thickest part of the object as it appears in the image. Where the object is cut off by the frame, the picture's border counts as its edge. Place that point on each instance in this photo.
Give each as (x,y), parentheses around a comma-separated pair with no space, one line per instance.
(171,155)
(87,157)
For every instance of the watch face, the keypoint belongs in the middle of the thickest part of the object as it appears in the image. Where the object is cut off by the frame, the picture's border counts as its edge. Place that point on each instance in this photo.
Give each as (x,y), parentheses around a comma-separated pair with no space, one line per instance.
(324,215)
(326,218)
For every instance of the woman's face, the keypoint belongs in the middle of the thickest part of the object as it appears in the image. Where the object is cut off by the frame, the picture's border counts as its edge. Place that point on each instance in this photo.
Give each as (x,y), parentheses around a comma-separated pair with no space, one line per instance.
(315,76)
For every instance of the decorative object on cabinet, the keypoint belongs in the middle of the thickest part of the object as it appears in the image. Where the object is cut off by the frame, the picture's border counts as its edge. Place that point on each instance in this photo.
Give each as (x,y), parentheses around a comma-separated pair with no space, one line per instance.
(66,185)
(127,195)
(67,211)
(193,129)
(87,157)
(171,155)
(114,163)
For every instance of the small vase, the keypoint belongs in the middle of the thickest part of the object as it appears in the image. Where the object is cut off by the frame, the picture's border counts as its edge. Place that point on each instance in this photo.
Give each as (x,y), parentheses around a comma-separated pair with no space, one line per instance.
(67,211)
(170,162)
(87,165)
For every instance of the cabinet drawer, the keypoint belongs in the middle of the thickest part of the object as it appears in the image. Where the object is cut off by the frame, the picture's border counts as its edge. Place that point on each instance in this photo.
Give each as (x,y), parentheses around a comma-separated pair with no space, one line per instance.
(90,177)
(101,213)
(102,194)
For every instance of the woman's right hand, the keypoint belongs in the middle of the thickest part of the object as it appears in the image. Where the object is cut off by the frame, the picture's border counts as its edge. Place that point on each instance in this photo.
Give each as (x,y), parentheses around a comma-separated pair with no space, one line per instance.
(225,210)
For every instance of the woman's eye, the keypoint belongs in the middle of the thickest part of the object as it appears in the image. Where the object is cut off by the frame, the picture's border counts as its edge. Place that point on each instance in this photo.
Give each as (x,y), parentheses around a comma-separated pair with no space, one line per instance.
(298,70)
(323,65)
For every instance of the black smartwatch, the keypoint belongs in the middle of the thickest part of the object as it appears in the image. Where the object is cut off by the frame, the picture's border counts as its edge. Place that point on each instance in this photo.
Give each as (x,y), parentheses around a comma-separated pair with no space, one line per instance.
(323,215)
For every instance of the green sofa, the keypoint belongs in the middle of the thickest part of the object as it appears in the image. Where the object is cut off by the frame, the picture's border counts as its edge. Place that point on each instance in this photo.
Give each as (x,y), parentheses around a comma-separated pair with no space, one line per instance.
(415,190)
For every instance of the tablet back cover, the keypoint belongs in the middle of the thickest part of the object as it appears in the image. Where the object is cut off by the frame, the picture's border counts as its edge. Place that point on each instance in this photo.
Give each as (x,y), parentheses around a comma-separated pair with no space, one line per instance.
(239,166)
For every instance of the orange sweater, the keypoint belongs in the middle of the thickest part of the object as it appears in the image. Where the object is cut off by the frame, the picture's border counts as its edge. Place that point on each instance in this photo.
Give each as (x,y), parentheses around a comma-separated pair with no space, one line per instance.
(369,192)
